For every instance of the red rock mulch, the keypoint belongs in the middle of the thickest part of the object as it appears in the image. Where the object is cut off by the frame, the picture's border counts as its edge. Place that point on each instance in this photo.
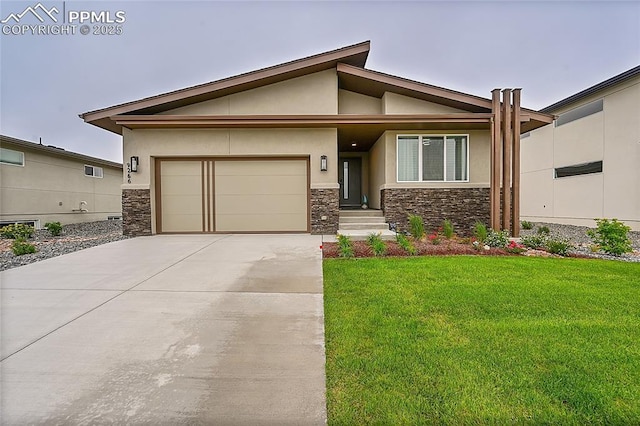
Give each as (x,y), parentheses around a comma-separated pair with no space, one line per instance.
(425,248)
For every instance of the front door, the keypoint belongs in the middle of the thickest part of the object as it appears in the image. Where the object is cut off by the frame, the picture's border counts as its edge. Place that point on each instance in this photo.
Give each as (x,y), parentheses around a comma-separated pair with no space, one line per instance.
(349,177)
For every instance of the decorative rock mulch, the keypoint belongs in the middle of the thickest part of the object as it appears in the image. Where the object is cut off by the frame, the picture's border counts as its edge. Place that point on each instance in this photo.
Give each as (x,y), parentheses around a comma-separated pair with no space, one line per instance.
(74,237)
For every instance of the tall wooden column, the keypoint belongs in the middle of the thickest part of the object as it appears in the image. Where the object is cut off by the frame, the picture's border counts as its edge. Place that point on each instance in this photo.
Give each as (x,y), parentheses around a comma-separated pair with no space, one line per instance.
(506,159)
(496,142)
(515,210)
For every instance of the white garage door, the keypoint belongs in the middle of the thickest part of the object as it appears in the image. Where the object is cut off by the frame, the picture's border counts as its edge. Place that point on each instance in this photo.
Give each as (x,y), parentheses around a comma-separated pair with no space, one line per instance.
(234,195)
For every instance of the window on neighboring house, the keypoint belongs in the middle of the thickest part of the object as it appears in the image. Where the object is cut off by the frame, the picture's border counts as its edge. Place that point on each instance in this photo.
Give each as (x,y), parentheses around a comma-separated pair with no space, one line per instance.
(433,158)
(93,171)
(9,156)
(579,169)
(580,112)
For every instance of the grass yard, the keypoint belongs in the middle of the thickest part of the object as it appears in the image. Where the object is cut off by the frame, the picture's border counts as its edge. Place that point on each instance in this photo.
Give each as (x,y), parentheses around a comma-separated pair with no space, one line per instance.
(482,340)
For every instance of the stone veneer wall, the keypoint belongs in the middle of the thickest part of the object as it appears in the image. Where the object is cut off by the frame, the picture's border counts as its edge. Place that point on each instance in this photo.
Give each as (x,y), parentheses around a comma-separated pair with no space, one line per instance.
(462,206)
(136,212)
(325,202)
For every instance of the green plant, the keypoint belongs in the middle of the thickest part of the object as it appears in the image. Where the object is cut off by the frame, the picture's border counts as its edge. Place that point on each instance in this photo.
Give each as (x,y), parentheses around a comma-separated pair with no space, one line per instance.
(416,226)
(480,231)
(447,229)
(560,247)
(498,239)
(611,236)
(543,230)
(406,245)
(527,225)
(17,231)
(434,239)
(55,228)
(20,247)
(378,246)
(345,246)
(535,241)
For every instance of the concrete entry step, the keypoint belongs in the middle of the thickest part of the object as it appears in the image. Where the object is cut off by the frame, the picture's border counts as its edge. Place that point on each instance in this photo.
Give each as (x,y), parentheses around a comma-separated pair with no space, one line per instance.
(363,225)
(362,219)
(361,213)
(362,234)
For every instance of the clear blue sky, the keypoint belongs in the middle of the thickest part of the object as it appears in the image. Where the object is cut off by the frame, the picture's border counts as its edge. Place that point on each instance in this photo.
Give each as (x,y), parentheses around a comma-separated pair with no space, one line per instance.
(550,49)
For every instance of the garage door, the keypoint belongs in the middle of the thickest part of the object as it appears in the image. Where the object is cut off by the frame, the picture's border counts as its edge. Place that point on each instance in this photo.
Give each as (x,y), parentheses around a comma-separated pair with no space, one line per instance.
(233,195)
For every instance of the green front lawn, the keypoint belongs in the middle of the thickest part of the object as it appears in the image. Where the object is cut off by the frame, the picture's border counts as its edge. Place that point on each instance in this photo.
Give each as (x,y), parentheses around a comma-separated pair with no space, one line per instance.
(482,340)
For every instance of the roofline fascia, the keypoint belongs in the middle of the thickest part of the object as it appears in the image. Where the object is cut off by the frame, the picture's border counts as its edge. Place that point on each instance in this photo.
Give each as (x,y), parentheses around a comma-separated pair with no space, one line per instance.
(620,78)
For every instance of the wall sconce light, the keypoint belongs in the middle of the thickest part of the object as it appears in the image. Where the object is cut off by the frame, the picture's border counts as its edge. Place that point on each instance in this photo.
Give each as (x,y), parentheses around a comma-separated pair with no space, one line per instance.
(134,164)
(323,163)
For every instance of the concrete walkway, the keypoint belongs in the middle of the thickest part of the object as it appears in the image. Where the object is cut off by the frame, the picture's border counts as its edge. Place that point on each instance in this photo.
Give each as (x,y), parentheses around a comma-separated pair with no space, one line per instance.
(203,329)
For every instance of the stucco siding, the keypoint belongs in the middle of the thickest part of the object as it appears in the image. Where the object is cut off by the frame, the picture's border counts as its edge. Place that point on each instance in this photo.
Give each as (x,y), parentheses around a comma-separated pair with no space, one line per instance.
(356,103)
(377,157)
(311,94)
(579,141)
(49,188)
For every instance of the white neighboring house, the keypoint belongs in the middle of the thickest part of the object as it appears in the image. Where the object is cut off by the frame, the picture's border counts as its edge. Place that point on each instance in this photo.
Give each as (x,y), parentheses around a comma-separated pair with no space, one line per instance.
(40,184)
(586,164)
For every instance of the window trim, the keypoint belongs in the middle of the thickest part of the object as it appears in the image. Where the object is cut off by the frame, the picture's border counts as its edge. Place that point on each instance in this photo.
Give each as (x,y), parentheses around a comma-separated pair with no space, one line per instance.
(13,164)
(93,170)
(420,161)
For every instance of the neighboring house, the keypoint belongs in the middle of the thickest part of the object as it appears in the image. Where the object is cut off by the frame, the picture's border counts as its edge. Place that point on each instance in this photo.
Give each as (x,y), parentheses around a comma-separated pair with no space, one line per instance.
(586,164)
(285,148)
(40,184)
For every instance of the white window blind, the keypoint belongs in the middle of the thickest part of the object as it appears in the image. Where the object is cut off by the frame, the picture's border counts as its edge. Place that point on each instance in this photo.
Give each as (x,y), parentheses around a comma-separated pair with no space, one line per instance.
(433,158)
(408,158)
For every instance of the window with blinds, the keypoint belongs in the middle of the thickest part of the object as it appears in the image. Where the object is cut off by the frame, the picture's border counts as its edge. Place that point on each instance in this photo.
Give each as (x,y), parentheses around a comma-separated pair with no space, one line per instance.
(9,156)
(433,158)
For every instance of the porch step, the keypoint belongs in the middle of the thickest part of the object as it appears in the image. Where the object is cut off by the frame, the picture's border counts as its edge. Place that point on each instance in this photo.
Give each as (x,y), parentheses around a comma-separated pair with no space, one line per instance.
(362,234)
(363,225)
(361,213)
(359,223)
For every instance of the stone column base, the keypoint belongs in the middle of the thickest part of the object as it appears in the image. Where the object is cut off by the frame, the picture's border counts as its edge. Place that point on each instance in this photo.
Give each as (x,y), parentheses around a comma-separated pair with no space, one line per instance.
(136,212)
(325,204)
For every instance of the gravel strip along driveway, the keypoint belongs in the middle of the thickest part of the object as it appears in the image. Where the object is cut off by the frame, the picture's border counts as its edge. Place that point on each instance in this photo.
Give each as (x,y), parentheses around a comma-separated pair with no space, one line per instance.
(74,237)
(84,235)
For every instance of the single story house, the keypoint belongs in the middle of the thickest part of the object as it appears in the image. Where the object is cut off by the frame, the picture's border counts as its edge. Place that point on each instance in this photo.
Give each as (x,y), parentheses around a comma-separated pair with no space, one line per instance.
(586,164)
(285,148)
(43,183)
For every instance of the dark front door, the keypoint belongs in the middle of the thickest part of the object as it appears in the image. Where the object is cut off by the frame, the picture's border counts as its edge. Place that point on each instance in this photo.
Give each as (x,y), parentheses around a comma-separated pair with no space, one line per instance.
(349,176)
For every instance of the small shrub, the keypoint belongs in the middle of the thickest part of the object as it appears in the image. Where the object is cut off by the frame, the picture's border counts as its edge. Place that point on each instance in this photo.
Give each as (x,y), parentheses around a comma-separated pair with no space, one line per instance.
(17,231)
(480,231)
(447,229)
(20,247)
(345,246)
(611,236)
(406,244)
(543,230)
(378,246)
(434,239)
(55,228)
(560,247)
(498,239)
(527,225)
(416,226)
(536,241)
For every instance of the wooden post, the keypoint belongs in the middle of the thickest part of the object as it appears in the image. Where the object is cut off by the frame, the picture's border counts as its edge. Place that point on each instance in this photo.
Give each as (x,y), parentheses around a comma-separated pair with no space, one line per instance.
(515,211)
(506,159)
(494,187)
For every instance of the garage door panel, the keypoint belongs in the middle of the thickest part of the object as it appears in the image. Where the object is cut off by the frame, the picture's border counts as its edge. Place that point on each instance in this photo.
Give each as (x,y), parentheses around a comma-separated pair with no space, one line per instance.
(181,223)
(180,204)
(261,168)
(261,204)
(182,185)
(274,185)
(260,223)
(240,195)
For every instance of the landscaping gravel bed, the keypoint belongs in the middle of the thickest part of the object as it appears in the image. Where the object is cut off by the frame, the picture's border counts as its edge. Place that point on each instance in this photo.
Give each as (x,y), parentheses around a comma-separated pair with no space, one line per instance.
(74,237)
(582,243)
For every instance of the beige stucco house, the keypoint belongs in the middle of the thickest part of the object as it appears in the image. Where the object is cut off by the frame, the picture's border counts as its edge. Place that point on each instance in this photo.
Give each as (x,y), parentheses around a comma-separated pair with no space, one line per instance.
(285,148)
(586,164)
(40,184)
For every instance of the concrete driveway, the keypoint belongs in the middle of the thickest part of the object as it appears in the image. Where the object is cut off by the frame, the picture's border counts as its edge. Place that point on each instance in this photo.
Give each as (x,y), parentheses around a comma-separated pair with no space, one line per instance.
(202,329)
